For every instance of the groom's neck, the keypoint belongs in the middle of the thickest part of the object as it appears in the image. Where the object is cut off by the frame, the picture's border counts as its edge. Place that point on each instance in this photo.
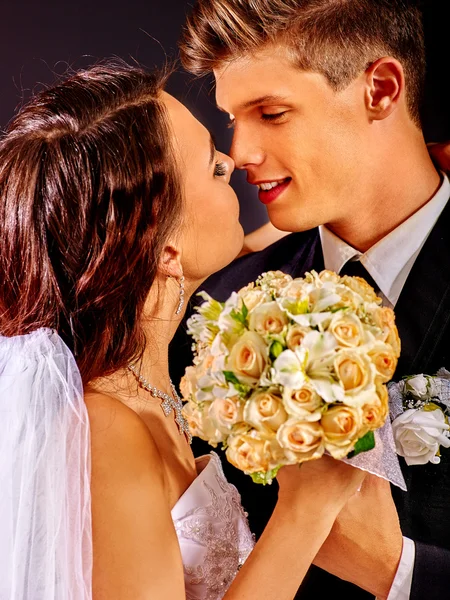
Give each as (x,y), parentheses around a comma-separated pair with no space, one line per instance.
(401,178)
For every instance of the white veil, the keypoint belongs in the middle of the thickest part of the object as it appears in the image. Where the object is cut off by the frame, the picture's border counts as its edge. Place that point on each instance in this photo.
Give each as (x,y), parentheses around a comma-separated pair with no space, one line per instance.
(45,508)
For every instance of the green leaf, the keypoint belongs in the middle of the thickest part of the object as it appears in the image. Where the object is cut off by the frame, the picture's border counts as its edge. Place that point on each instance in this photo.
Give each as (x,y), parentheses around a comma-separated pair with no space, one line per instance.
(275,350)
(241,388)
(364,444)
(240,316)
(230,377)
(244,310)
(265,478)
(430,407)
(338,308)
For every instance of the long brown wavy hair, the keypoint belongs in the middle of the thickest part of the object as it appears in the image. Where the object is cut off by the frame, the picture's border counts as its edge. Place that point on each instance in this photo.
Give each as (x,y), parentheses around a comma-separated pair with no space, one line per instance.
(89,194)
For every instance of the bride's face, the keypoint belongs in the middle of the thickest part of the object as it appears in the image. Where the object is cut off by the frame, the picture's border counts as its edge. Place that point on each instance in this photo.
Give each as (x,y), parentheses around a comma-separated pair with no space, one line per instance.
(211,235)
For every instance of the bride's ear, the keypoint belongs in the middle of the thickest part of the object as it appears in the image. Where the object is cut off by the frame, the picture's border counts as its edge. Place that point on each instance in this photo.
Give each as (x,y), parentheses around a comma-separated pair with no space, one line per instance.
(170,262)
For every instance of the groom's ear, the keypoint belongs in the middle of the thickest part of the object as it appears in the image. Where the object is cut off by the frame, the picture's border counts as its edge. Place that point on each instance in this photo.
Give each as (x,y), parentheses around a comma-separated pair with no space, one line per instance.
(385,86)
(170,262)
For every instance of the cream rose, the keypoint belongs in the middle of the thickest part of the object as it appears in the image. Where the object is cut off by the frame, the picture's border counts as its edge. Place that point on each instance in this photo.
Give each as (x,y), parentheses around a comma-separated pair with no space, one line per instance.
(295,335)
(247,288)
(248,357)
(418,435)
(373,415)
(393,340)
(384,319)
(203,367)
(252,452)
(303,403)
(347,329)
(361,287)
(267,318)
(342,426)
(301,440)
(253,298)
(264,410)
(188,383)
(385,361)
(348,298)
(226,412)
(376,409)
(329,276)
(295,289)
(277,280)
(200,425)
(353,370)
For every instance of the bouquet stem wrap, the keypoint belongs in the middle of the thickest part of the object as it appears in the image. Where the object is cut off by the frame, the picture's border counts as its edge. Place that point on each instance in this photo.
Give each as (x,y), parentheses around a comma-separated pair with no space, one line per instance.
(382,460)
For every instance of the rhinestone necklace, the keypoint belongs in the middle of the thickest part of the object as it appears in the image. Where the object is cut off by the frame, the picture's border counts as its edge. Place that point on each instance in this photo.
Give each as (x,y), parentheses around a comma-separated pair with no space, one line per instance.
(168,403)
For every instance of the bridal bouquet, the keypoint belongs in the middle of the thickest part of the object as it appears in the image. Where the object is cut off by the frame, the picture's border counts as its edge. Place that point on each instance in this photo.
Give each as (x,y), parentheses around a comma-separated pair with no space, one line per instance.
(287,369)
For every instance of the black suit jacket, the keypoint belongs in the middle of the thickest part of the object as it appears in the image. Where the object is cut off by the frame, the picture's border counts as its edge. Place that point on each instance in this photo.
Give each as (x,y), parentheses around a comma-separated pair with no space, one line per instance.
(423,320)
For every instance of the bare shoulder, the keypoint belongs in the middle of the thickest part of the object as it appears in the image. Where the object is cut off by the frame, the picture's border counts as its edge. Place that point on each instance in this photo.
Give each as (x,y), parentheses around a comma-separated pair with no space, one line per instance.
(136,552)
(119,438)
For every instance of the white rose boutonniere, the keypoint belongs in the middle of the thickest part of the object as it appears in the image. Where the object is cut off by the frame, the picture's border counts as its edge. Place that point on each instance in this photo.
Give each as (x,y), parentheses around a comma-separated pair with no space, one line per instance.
(420,405)
(418,434)
(417,386)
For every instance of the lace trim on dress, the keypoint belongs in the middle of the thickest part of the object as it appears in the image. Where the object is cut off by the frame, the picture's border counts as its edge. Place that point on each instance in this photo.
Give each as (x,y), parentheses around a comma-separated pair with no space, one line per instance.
(222,529)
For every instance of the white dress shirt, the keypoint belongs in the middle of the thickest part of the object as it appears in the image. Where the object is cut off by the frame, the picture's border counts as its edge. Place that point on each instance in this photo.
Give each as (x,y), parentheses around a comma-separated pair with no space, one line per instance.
(389,262)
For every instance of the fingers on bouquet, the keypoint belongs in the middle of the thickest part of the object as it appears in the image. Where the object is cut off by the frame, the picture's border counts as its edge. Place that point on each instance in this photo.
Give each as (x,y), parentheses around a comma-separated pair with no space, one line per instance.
(287,369)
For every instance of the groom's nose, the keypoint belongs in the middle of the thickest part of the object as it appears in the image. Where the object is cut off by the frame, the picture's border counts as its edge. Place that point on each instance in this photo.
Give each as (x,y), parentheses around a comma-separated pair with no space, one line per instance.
(245,150)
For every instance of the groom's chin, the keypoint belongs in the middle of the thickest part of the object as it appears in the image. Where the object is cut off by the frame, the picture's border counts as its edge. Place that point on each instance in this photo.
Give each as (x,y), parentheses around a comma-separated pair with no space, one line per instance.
(291,219)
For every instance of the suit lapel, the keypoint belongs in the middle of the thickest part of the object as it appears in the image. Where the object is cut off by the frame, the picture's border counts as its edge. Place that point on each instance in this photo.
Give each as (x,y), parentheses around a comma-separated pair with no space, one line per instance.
(423,309)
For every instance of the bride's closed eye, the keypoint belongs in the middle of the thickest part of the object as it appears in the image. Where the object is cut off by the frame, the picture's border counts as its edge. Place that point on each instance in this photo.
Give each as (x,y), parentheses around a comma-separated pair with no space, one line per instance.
(220,169)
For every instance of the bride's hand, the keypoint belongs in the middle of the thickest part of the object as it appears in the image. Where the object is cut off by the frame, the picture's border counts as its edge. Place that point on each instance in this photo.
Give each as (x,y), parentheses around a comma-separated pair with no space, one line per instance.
(318,485)
(441,155)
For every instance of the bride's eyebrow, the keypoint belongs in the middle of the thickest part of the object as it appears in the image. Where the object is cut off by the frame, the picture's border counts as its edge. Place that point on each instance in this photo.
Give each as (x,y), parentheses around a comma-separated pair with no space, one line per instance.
(212,145)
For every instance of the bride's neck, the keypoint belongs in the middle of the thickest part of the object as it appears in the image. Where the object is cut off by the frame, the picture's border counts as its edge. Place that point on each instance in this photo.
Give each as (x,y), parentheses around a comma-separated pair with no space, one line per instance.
(154,364)
(159,325)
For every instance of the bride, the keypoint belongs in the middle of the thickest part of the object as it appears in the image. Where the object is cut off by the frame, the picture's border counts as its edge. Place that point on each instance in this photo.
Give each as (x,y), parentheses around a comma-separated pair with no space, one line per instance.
(115,206)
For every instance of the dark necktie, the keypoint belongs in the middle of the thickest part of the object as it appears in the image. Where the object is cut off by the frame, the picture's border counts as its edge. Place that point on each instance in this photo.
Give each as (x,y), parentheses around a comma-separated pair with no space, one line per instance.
(354,268)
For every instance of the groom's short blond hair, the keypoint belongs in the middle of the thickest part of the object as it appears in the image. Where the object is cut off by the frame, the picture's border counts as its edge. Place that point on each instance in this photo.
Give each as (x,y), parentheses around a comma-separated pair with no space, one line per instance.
(337,38)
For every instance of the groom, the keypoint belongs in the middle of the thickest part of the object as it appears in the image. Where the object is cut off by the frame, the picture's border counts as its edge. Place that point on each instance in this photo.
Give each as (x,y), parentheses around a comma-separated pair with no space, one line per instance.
(324,98)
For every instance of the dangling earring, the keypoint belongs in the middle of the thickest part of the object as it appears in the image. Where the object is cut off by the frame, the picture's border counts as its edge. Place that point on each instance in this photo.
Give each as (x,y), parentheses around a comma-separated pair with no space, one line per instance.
(181,302)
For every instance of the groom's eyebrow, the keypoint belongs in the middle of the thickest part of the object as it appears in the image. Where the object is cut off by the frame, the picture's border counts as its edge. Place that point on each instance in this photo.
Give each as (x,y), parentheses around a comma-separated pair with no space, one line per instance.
(267,99)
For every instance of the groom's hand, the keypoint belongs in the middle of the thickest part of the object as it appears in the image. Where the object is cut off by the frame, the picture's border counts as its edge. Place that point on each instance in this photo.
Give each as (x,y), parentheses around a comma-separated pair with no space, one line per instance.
(365,544)
(441,155)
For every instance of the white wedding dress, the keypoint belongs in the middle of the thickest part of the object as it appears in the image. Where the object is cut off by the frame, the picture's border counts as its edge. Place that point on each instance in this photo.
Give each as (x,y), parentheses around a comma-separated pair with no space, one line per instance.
(45,503)
(212,530)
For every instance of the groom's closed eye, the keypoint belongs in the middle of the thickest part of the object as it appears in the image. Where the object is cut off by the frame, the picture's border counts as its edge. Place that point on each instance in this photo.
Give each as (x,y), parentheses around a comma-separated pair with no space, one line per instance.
(274,117)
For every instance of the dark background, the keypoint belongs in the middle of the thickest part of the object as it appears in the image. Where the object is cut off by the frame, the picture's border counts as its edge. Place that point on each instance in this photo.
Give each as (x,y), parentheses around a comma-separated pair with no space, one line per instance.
(42,39)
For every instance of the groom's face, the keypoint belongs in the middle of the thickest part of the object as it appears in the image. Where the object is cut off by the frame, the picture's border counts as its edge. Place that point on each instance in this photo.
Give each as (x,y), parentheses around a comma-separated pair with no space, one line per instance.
(304,144)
